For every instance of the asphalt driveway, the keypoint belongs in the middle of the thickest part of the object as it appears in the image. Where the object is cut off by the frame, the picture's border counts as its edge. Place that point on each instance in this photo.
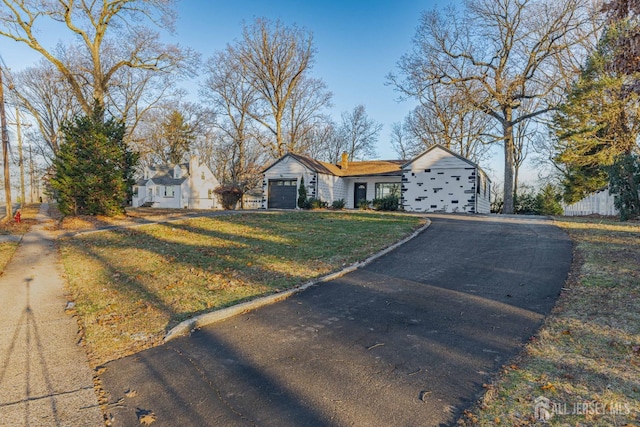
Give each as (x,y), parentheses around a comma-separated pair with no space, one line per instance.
(408,340)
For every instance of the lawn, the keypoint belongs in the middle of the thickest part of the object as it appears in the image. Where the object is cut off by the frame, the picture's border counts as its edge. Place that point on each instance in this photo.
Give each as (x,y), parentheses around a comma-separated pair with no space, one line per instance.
(586,358)
(131,285)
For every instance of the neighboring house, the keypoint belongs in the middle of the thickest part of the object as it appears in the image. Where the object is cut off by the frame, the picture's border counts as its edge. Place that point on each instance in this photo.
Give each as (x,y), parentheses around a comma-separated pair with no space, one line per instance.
(438,180)
(187,185)
(599,203)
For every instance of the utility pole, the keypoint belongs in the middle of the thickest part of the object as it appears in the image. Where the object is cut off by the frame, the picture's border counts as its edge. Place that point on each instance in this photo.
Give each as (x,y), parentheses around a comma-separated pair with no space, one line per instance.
(5,153)
(21,161)
(31,180)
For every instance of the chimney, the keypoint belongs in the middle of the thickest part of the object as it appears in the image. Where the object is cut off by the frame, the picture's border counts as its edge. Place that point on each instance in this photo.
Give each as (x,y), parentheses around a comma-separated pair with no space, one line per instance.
(345,160)
(193,164)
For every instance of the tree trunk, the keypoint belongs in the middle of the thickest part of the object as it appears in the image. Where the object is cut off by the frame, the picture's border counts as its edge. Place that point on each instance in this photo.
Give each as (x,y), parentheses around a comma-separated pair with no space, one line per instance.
(507,128)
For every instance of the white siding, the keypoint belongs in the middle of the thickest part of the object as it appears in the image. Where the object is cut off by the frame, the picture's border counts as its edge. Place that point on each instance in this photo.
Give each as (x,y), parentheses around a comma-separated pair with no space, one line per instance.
(439,190)
(198,192)
(484,195)
(439,181)
(160,201)
(330,188)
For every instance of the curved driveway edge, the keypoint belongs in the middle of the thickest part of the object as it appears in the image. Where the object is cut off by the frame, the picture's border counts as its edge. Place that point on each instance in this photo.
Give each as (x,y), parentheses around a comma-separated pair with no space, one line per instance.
(187,326)
(408,339)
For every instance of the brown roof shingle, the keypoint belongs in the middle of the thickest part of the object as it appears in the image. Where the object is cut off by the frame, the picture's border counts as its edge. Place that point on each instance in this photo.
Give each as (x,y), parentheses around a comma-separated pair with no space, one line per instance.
(370,167)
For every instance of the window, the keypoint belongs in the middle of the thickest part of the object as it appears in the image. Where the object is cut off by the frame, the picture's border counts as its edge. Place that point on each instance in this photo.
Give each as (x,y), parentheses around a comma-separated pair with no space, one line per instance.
(209,194)
(169,191)
(202,176)
(384,189)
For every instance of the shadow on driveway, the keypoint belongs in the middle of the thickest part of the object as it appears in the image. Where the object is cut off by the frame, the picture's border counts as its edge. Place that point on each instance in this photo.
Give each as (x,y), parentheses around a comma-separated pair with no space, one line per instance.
(408,340)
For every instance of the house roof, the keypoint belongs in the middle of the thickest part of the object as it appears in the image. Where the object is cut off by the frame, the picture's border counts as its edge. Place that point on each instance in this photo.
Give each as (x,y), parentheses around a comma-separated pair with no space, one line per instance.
(373,167)
(165,174)
(314,165)
(364,168)
(165,180)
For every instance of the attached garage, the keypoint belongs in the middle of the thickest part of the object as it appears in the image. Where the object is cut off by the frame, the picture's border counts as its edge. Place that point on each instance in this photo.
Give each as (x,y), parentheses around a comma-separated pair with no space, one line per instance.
(283,193)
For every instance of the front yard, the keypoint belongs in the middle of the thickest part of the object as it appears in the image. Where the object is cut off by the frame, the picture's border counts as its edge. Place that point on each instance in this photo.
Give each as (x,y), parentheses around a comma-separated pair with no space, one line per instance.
(131,285)
(583,366)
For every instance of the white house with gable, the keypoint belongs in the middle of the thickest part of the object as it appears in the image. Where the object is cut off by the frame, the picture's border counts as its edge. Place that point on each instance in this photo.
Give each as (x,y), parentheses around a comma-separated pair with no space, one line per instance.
(438,180)
(186,185)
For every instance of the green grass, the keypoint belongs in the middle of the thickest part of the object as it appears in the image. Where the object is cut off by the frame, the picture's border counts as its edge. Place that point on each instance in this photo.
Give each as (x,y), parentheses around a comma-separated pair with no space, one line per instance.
(588,350)
(131,285)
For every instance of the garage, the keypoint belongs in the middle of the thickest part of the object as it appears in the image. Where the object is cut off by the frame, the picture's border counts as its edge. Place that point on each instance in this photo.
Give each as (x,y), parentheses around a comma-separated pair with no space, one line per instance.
(282,193)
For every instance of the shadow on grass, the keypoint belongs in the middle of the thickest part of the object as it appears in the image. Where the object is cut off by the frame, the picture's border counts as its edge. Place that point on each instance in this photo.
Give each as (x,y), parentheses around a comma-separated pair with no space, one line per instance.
(165,273)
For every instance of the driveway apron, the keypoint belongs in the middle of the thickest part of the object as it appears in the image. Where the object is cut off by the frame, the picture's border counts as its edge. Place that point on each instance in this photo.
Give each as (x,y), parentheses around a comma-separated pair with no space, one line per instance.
(408,340)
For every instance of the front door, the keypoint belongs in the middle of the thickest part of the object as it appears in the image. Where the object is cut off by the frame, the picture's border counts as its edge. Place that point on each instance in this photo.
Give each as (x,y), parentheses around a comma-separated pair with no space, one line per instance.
(359,193)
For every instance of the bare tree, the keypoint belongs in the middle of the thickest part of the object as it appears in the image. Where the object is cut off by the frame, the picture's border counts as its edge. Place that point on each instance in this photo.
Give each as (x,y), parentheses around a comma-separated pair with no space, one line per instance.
(495,55)
(44,93)
(359,133)
(236,154)
(108,40)
(403,142)
(275,61)
(323,141)
(445,120)
(305,113)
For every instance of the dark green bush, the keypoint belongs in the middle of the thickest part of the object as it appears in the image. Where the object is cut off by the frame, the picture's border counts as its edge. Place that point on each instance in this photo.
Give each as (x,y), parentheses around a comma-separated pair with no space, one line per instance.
(338,204)
(624,184)
(303,202)
(389,203)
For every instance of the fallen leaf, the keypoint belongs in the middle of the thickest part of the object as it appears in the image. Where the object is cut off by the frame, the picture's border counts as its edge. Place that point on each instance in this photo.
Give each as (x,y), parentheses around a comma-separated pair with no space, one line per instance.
(147,419)
(131,393)
(145,416)
(548,386)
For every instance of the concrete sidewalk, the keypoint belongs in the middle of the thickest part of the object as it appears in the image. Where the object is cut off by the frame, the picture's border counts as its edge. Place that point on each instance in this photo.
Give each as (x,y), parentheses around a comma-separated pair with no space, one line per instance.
(45,379)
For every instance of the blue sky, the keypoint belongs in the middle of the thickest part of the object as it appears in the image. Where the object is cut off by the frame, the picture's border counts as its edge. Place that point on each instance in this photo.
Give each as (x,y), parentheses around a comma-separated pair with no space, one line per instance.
(358,42)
